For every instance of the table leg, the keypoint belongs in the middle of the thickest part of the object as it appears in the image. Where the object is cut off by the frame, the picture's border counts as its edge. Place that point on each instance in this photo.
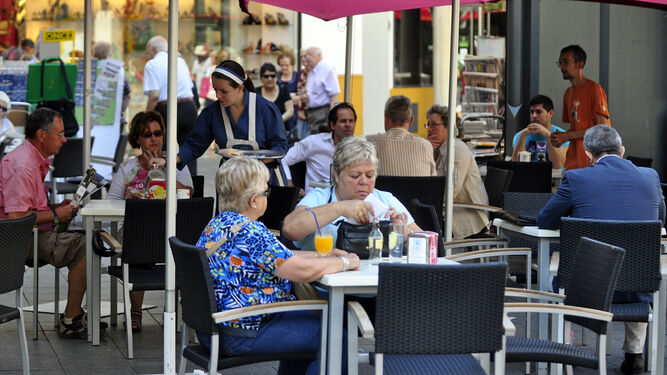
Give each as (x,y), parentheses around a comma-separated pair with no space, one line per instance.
(659,365)
(543,282)
(335,336)
(113,290)
(88,225)
(95,316)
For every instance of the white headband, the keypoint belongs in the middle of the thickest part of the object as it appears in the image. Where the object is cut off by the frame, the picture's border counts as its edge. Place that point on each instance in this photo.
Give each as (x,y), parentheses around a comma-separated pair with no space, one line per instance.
(230,74)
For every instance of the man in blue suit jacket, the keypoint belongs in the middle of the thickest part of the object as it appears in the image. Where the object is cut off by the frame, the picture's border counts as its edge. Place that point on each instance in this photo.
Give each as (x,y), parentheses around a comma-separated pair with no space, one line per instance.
(610,189)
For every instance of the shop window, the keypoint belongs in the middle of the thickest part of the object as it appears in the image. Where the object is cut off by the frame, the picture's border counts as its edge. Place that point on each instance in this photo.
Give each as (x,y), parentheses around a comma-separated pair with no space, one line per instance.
(413,48)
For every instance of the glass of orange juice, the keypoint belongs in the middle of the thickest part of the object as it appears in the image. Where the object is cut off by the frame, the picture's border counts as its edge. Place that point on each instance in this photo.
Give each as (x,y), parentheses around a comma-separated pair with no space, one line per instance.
(324,241)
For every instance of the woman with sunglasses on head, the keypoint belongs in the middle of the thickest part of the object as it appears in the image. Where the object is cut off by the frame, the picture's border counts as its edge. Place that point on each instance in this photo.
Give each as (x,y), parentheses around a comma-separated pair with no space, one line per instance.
(240,119)
(147,133)
(278,94)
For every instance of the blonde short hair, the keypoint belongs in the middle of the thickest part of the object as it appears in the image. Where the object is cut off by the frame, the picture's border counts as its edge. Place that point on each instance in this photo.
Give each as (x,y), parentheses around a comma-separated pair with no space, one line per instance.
(237,180)
(351,151)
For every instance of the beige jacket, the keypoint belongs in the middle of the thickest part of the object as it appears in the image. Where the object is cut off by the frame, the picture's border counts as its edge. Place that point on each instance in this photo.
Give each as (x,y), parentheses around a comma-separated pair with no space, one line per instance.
(468,187)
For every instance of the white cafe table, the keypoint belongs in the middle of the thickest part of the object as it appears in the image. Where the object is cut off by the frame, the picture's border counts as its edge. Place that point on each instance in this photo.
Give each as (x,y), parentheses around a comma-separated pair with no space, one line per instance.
(544,238)
(97,211)
(362,281)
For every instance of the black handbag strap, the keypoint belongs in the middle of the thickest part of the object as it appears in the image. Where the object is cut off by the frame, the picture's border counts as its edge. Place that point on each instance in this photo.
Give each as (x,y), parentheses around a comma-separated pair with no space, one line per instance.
(68,89)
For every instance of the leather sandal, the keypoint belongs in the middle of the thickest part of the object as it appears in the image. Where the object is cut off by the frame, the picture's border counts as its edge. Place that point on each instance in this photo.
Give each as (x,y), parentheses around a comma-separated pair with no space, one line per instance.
(135,319)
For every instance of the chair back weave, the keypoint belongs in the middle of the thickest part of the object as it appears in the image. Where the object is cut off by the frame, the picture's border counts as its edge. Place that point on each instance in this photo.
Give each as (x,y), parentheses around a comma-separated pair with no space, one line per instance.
(192,216)
(144,231)
(15,236)
(68,162)
(594,274)
(525,203)
(439,309)
(496,182)
(279,204)
(194,279)
(640,239)
(198,185)
(429,190)
(534,177)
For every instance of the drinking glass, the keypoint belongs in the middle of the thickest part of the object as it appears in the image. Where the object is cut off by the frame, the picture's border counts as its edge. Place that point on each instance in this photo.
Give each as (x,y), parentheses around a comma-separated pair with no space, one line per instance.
(324,241)
(395,242)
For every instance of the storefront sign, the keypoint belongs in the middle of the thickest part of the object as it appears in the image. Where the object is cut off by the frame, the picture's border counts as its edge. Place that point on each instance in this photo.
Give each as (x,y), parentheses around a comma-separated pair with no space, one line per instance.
(58,36)
(496,6)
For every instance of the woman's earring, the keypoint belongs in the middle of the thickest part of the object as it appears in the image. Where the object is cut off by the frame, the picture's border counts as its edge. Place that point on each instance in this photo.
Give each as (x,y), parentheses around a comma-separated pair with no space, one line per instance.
(253,206)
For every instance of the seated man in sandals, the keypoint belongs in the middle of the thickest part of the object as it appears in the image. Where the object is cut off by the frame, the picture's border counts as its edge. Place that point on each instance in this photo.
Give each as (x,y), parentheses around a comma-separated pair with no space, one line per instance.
(22,192)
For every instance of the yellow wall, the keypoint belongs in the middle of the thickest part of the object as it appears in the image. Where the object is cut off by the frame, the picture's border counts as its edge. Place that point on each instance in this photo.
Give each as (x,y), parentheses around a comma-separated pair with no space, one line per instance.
(356,98)
(421,95)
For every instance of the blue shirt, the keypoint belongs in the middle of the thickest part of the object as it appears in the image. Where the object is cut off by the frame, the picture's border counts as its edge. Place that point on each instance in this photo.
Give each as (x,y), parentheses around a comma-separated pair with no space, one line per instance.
(243,268)
(319,197)
(532,139)
(269,129)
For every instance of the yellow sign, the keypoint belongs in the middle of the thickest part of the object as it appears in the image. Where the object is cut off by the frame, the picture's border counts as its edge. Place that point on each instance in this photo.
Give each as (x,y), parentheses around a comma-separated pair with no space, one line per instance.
(58,36)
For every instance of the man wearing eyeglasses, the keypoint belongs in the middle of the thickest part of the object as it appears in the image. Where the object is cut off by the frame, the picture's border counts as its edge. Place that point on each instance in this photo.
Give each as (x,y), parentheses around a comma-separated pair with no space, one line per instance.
(584,106)
(468,185)
(399,152)
(22,192)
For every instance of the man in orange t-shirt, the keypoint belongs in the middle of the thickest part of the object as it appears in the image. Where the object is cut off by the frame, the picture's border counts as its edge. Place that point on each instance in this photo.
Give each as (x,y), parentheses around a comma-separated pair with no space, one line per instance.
(584,106)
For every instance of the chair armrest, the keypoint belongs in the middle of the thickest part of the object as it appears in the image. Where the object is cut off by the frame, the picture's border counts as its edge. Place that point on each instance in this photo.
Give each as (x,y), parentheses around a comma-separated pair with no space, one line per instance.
(476,206)
(525,251)
(534,294)
(102,160)
(269,308)
(559,309)
(111,241)
(363,321)
(501,242)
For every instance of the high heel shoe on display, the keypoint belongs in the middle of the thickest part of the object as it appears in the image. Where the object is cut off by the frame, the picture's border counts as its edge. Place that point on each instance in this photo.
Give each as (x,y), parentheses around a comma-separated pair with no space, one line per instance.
(255,19)
(247,20)
(269,19)
(259,46)
(250,48)
(281,19)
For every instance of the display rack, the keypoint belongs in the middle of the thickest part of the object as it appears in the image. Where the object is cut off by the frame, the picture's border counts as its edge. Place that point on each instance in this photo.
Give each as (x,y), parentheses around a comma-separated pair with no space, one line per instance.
(482,127)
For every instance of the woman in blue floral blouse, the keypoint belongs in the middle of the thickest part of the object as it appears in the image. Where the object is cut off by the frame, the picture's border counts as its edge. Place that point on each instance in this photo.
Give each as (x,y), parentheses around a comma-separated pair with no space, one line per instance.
(253,267)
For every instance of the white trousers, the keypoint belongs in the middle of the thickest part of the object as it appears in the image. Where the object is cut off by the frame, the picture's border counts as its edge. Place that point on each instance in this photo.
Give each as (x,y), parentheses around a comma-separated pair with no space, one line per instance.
(635,336)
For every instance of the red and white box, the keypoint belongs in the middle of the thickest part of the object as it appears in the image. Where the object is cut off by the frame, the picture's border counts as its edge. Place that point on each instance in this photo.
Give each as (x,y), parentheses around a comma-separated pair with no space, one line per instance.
(423,248)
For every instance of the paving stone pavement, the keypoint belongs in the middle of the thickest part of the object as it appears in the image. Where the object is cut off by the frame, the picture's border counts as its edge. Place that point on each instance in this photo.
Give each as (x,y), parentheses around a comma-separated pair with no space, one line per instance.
(52,355)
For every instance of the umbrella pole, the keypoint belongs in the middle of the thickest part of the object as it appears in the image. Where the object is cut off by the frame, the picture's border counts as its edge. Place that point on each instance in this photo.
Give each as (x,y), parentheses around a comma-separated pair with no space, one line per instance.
(87,67)
(348,60)
(451,123)
(169,348)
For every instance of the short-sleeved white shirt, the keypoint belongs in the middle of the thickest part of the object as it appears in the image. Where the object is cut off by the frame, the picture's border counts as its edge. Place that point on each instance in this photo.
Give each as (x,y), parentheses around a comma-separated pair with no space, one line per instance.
(155,77)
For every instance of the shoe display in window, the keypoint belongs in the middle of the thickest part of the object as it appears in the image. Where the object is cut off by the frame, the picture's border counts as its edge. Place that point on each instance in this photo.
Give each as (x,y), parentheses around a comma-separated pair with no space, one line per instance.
(269,19)
(282,20)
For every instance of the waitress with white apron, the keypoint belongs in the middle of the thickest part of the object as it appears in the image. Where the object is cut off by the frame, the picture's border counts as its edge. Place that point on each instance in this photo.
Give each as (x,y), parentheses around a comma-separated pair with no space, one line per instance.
(240,119)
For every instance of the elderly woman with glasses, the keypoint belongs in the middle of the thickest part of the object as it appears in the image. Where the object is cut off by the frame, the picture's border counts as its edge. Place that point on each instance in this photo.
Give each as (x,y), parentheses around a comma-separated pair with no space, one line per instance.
(250,266)
(355,166)
(147,133)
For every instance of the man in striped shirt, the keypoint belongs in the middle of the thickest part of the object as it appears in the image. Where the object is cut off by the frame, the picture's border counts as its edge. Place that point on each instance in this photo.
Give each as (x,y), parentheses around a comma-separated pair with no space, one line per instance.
(399,152)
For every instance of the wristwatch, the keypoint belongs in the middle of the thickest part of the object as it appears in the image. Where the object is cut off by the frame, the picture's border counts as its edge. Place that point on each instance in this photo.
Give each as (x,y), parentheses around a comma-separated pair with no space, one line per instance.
(55,216)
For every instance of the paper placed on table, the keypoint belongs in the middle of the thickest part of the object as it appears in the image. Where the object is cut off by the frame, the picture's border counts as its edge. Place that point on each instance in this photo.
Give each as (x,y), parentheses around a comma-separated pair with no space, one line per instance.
(379,209)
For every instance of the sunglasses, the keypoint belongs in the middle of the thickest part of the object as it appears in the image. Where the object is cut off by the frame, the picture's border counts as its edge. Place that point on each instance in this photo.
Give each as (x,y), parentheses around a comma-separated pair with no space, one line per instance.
(269,76)
(157,133)
(265,193)
(4,109)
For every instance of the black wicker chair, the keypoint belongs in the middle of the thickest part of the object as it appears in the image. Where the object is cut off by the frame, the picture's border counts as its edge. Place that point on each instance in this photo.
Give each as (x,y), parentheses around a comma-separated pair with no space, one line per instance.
(281,202)
(426,218)
(298,172)
(429,190)
(429,318)
(533,177)
(641,267)
(496,182)
(143,248)
(198,185)
(68,162)
(200,313)
(596,267)
(640,162)
(15,235)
